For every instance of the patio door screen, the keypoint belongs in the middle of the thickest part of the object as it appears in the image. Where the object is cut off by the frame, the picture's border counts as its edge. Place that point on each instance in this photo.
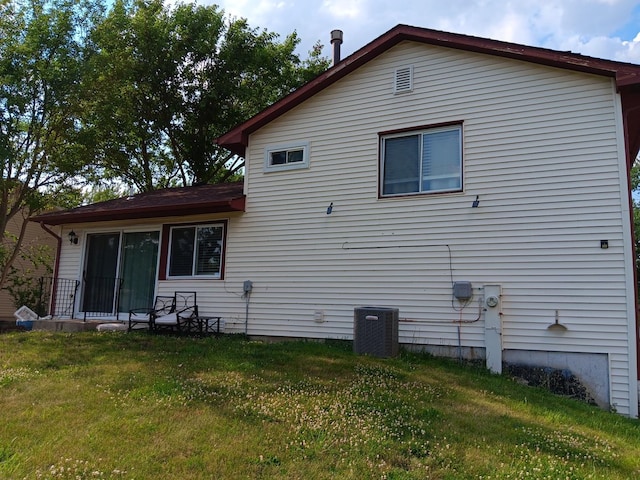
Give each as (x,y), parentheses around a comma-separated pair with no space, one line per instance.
(120,271)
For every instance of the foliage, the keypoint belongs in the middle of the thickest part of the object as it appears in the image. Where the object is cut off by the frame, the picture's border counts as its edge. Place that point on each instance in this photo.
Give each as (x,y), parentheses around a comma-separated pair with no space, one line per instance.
(140,406)
(635,184)
(169,79)
(130,97)
(24,282)
(43,58)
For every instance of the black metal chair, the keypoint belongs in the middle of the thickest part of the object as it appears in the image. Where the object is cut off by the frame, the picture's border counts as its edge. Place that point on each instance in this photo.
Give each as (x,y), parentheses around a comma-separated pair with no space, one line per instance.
(162,306)
(184,317)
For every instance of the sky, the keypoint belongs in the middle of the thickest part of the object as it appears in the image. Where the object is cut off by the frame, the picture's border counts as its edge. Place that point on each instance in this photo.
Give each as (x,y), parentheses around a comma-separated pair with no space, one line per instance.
(599,28)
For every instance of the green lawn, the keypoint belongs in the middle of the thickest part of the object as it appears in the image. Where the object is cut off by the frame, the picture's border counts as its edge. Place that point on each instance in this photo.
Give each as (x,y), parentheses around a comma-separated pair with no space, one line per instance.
(134,406)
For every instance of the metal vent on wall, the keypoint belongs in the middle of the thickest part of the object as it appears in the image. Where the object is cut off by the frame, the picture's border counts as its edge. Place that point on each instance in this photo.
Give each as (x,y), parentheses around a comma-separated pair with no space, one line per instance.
(403,80)
(375,331)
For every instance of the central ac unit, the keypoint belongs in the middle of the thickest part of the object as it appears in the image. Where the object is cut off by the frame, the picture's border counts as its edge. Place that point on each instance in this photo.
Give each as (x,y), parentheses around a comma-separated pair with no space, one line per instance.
(375,331)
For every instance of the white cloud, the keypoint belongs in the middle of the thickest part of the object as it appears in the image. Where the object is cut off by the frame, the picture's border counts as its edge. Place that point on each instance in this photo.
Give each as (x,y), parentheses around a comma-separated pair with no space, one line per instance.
(593,27)
(344,8)
(605,47)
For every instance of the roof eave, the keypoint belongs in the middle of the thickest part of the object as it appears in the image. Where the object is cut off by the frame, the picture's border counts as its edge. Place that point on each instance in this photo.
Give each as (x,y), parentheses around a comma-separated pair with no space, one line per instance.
(236,139)
(226,206)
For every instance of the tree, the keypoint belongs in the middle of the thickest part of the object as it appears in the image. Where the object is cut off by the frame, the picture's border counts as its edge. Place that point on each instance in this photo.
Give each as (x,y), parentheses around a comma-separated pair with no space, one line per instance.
(635,184)
(42,65)
(169,80)
(138,95)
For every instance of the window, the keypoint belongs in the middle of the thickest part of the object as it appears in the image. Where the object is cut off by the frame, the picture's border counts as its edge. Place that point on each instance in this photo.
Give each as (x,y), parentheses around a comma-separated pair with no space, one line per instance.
(196,251)
(285,157)
(422,161)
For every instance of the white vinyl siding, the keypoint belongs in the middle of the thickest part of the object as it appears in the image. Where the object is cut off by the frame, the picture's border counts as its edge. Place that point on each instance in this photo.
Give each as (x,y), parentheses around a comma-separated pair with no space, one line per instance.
(540,151)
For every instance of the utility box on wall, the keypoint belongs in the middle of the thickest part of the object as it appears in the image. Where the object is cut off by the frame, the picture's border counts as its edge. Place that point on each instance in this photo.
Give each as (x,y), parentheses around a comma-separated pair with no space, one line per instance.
(375,331)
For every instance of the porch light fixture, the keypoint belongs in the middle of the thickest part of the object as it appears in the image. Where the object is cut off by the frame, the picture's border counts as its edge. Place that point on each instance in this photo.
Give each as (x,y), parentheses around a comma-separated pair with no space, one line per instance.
(476,202)
(73,238)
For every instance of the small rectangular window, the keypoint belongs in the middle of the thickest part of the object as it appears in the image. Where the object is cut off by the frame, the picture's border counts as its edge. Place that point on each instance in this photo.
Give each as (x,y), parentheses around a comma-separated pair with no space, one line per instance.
(196,251)
(285,157)
(423,161)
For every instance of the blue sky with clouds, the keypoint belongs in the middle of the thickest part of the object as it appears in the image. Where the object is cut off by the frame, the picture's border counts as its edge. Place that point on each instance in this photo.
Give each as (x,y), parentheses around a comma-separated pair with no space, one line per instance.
(600,28)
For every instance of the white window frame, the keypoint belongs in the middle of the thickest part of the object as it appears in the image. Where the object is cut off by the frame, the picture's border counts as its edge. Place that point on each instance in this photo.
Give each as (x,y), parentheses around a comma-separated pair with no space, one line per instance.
(194,260)
(288,147)
(421,132)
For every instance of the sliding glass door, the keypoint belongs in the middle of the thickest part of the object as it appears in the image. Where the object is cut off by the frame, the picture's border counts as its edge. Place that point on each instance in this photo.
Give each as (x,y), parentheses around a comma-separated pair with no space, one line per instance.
(99,276)
(139,268)
(120,271)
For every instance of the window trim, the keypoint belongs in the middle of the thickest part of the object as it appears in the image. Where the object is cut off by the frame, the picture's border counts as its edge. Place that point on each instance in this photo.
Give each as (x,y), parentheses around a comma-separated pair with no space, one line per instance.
(398,133)
(288,147)
(165,250)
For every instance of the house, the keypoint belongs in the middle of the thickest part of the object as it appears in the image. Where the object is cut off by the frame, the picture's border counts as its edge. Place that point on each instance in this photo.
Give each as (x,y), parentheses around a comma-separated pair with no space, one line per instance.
(34,237)
(481,188)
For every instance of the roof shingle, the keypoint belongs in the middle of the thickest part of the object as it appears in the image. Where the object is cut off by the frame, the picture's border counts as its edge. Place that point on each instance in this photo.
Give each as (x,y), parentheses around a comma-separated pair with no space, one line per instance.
(226,197)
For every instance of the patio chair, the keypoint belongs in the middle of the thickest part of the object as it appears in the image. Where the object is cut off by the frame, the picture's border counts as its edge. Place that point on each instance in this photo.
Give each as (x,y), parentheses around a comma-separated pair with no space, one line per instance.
(162,306)
(184,318)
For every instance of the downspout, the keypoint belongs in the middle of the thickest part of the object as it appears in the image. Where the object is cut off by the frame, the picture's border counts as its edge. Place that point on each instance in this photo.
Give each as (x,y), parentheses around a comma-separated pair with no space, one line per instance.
(247,287)
(54,286)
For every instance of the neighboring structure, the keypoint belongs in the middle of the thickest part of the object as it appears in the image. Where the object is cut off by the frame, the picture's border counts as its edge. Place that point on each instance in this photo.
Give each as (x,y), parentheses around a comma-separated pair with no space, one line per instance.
(34,236)
(478,186)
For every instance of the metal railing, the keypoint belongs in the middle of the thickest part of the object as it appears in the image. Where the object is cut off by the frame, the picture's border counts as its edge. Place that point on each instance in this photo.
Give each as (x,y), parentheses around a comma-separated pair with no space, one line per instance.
(101,296)
(56,297)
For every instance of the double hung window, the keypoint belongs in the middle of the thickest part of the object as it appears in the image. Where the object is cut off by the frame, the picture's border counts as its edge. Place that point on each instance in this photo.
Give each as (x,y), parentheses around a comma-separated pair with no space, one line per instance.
(422,161)
(196,250)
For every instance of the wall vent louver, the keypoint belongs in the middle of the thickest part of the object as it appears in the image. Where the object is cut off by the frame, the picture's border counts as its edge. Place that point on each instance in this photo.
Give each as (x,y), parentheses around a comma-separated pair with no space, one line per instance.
(403,80)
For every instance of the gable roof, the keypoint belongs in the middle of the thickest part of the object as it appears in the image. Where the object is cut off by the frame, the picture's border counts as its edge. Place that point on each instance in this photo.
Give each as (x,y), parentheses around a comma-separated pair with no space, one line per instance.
(626,75)
(225,197)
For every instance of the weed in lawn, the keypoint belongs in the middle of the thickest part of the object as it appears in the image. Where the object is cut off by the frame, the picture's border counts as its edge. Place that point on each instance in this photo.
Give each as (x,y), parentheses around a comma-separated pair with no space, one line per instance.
(371,417)
(70,469)
(9,375)
(168,407)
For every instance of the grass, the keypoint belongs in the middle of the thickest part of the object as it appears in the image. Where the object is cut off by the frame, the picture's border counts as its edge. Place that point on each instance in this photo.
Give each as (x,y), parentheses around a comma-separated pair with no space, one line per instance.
(134,406)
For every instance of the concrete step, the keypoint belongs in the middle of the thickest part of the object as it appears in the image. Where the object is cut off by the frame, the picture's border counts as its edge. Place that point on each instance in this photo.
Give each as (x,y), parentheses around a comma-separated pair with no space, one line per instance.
(64,325)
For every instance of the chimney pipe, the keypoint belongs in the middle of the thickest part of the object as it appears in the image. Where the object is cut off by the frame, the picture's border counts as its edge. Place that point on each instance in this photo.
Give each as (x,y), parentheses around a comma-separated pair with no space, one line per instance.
(336,41)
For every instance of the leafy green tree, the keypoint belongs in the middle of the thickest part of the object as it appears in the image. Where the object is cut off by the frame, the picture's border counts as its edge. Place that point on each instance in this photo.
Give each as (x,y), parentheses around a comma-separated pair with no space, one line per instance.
(42,65)
(138,94)
(169,80)
(635,184)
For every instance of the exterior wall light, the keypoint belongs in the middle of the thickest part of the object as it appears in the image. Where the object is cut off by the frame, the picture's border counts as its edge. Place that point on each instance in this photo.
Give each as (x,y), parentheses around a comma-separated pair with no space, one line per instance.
(73,238)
